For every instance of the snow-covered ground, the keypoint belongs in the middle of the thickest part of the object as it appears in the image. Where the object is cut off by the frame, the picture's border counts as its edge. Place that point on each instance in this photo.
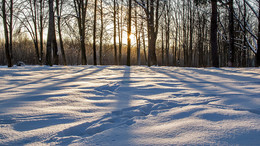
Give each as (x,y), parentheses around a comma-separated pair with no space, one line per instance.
(119,105)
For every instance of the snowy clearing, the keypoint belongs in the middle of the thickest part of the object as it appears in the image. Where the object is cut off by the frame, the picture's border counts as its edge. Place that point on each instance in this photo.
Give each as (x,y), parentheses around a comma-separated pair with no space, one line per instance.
(119,105)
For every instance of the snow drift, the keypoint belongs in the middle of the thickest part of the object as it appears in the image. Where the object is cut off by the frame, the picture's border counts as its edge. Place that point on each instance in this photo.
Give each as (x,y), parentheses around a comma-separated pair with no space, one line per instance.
(119,105)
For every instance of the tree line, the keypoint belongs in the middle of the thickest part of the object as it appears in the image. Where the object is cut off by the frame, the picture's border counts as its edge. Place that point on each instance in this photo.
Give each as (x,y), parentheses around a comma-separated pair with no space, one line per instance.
(191,33)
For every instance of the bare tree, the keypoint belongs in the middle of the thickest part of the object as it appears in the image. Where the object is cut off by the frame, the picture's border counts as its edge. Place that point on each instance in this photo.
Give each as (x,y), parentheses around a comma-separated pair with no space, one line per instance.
(114,21)
(231,34)
(129,33)
(94,34)
(214,29)
(81,12)
(120,31)
(8,45)
(137,36)
(101,33)
(258,41)
(151,8)
(59,8)
(51,53)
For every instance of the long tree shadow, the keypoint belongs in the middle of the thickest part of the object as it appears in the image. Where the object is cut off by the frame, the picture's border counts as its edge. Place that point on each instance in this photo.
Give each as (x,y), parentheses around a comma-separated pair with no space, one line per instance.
(233,96)
(24,83)
(196,83)
(224,75)
(41,93)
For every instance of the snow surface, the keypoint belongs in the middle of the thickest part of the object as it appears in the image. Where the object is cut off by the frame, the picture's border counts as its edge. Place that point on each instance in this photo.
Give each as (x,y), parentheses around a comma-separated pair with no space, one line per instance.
(119,105)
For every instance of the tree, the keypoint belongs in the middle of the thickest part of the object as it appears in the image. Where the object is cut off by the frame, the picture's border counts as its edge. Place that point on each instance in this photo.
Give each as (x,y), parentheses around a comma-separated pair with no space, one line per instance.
(167,31)
(59,6)
(129,33)
(94,34)
(115,47)
(34,33)
(41,26)
(214,29)
(8,46)
(231,34)
(151,8)
(52,49)
(258,41)
(120,32)
(137,36)
(81,12)
(101,33)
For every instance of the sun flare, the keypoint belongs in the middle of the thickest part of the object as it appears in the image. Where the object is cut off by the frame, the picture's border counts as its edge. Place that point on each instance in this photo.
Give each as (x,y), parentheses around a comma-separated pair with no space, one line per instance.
(132,37)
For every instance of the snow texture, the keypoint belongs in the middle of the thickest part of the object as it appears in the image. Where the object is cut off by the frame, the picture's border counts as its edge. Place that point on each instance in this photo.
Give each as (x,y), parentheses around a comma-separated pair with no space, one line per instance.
(119,105)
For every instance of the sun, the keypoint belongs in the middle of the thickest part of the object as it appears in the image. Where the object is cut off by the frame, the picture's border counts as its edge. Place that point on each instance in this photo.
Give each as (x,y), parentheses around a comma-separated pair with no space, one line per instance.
(132,37)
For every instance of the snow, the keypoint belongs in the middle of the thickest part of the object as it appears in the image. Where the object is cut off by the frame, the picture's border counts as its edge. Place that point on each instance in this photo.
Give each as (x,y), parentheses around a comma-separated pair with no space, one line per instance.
(119,105)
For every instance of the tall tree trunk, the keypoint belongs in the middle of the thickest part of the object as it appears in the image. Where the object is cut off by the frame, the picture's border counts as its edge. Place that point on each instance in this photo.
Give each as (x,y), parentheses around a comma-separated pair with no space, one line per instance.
(152,26)
(101,34)
(258,41)
(162,46)
(33,7)
(184,32)
(120,35)
(137,39)
(176,44)
(129,33)
(59,9)
(55,47)
(41,30)
(7,49)
(81,9)
(115,47)
(83,47)
(191,35)
(144,46)
(231,34)
(214,29)
(50,44)
(94,34)
(167,32)
(11,30)
(244,51)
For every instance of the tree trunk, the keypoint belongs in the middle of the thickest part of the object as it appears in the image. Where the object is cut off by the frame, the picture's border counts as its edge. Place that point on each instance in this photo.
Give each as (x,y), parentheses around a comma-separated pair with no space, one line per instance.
(120,35)
(11,30)
(101,34)
(94,34)
(244,51)
(81,9)
(191,35)
(55,47)
(231,34)
(162,46)
(167,32)
(41,30)
(152,32)
(145,56)
(137,39)
(59,8)
(50,38)
(129,33)
(258,41)
(7,49)
(34,18)
(214,29)
(115,47)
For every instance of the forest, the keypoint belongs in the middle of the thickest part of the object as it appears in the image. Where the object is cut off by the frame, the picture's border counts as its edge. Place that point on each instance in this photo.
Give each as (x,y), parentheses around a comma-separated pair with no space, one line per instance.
(187,33)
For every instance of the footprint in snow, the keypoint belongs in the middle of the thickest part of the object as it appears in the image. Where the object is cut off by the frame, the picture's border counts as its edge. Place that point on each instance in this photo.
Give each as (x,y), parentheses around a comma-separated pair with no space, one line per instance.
(108,88)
